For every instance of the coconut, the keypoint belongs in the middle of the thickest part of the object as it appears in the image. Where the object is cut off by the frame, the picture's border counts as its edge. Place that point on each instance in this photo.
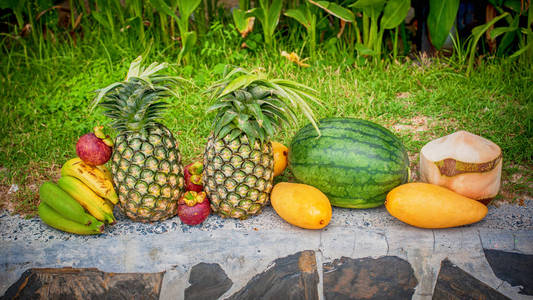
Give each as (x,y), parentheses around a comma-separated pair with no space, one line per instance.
(466,163)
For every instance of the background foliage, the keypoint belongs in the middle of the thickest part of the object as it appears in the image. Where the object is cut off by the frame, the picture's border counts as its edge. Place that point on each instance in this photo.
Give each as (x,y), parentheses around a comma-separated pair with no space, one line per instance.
(361,54)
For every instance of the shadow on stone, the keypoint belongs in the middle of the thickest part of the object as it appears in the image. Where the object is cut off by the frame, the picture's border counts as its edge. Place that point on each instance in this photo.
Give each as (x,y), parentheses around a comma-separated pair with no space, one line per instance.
(292,277)
(70,283)
(208,281)
(454,283)
(515,268)
(387,277)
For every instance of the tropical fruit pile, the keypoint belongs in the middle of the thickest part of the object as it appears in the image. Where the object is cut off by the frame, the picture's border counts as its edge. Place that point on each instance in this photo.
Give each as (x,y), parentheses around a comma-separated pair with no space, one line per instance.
(360,164)
(83,198)
(343,162)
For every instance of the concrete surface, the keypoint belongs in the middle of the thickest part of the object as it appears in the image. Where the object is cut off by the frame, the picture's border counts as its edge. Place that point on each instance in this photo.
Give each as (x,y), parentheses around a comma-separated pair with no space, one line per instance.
(246,248)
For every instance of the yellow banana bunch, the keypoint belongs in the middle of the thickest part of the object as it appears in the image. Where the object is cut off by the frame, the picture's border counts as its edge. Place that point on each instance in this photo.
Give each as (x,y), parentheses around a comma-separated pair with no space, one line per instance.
(106,172)
(93,177)
(94,204)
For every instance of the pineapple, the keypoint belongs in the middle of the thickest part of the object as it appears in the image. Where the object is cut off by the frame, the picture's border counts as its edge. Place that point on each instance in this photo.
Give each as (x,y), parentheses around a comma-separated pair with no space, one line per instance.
(146,162)
(238,159)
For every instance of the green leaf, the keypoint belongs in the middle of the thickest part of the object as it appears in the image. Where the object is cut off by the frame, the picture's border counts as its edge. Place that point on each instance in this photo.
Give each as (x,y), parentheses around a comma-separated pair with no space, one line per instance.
(255,109)
(294,84)
(244,124)
(12,4)
(225,130)
(297,101)
(304,93)
(238,104)
(259,13)
(262,121)
(273,15)
(304,108)
(188,41)
(226,118)
(104,91)
(229,72)
(238,83)
(244,4)
(187,7)
(235,133)
(281,95)
(300,15)
(477,32)
(496,2)
(100,19)
(217,106)
(496,32)
(240,20)
(135,68)
(440,20)
(364,50)
(371,8)
(278,106)
(394,13)
(336,10)
(515,5)
(521,50)
(275,113)
(509,37)
(367,3)
(162,7)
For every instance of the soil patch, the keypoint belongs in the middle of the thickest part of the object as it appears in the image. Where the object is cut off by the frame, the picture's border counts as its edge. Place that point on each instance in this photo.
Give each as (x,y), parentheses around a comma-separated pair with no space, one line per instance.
(20,194)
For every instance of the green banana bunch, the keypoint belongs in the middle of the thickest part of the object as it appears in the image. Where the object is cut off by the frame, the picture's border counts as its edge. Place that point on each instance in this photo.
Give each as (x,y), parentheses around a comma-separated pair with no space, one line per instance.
(57,221)
(59,210)
(57,199)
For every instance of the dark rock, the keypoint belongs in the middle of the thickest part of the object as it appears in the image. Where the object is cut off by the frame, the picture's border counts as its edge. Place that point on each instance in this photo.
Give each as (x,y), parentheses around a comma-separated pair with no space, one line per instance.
(387,277)
(69,283)
(454,283)
(292,277)
(208,281)
(515,268)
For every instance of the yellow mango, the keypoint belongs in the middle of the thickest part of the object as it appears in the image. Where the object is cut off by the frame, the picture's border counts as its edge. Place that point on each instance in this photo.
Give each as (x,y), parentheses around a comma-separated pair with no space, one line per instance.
(301,205)
(431,206)
(280,157)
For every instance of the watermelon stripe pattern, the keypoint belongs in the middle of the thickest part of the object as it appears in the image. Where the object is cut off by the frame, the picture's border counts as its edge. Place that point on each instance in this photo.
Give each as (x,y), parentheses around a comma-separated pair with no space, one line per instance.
(354,162)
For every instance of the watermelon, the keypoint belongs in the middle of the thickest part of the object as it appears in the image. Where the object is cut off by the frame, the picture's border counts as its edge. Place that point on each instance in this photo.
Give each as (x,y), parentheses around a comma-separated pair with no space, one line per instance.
(354,162)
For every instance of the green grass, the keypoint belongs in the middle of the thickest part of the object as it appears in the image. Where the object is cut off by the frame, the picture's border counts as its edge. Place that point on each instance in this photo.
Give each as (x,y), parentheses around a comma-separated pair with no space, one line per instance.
(45,101)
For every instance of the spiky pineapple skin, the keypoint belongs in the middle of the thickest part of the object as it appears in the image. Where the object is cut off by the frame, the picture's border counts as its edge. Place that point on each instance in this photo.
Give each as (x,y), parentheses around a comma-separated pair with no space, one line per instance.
(148,174)
(237,177)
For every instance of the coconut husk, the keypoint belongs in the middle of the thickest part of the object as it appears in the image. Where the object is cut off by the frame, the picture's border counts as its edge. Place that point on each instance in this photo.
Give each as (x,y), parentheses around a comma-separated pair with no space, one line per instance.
(463,162)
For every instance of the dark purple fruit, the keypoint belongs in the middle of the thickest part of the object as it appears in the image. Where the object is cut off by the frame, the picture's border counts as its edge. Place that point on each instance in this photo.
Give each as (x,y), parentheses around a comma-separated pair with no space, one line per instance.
(193,208)
(193,177)
(94,148)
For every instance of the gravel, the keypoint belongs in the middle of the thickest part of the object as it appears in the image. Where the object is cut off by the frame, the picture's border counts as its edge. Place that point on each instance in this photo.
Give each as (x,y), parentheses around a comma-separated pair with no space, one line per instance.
(13,227)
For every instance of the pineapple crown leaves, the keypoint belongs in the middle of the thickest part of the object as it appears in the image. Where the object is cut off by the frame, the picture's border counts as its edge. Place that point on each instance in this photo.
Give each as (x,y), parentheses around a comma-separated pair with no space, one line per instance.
(251,103)
(136,102)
